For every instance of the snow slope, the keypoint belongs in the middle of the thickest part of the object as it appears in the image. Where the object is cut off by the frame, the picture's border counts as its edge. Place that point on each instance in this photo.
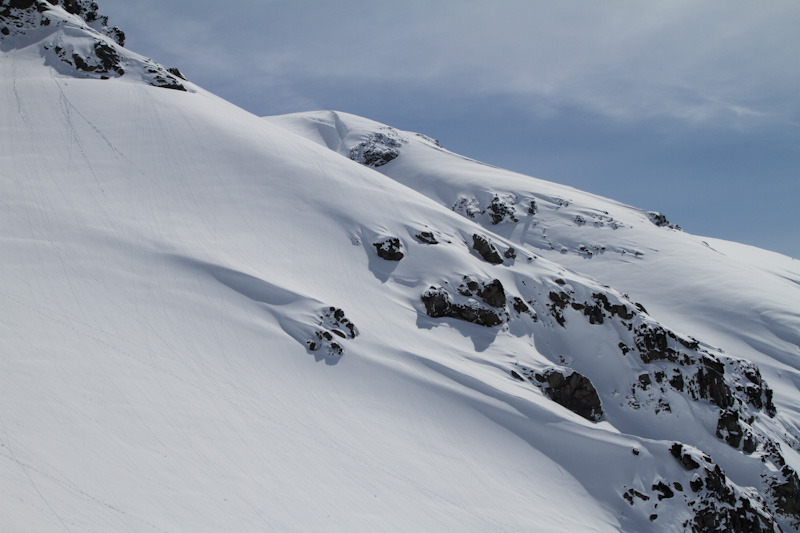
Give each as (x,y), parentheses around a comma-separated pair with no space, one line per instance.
(200,332)
(702,286)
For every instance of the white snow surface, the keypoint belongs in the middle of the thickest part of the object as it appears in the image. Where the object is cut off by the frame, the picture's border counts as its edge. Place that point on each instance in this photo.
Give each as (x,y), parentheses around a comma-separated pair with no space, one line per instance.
(166,257)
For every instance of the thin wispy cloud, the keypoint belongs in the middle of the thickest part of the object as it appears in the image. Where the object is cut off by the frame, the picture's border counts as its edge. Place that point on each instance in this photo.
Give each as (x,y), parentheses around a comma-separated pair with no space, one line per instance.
(697,61)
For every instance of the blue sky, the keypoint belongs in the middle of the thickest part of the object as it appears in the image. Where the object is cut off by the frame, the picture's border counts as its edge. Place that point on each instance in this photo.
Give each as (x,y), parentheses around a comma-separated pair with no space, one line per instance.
(685,107)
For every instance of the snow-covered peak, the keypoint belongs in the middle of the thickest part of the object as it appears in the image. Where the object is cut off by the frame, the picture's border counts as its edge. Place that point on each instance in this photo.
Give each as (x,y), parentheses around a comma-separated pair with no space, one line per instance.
(20,17)
(363,140)
(76,41)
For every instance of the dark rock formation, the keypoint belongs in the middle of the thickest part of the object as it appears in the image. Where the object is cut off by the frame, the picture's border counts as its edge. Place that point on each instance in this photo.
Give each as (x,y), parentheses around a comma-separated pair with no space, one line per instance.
(519,305)
(486,249)
(660,220)
(559,303)
(440,304)
(101,59)
(109,58)
(599,308)
(426,237)
(88,11)
(573,391)
(162,78)
(501,210)
(492,293)
(651,341)
(711,384)
(593,312)
(333,323)
(467,207)
(389,248)
(755,389)
(786,494)
(379,148)
(176,72)
(728,427)
(717,506)
(664,490)
(620,310)
(686,460)
(630,494)
(104,60)
(18,4)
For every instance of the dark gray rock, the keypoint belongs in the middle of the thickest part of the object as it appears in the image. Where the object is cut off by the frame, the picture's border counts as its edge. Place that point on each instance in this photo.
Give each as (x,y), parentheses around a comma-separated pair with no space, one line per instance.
(786,494)
(716,506)
(559,300)
(389,248)
(712,386)
(486,249)
(630,494)
(492,293)
(426,237)
(664,489)
(684,458)
(19,4)
(661,221)
(109,58)
(756,390)
(176,72)
(573,391)
(439,304)
(728,427)
(378,149)
(519,305)
(332,323)
(501,210)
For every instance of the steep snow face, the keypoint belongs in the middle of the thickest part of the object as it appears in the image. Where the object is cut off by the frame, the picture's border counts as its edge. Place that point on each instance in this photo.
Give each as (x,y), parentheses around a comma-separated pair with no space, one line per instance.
(211,323)
(728,295)
(734,296)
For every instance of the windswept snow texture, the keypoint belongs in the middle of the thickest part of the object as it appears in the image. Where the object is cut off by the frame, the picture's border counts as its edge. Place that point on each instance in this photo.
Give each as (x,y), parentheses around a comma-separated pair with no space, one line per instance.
(210,322)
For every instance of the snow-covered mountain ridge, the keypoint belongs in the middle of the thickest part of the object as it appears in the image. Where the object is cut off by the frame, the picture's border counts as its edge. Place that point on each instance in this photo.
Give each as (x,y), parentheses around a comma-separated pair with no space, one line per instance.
(76,41)
(213,321)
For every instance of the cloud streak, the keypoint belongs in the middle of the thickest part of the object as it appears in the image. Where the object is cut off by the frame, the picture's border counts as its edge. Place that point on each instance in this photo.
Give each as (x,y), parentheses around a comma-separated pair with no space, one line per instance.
(695,61)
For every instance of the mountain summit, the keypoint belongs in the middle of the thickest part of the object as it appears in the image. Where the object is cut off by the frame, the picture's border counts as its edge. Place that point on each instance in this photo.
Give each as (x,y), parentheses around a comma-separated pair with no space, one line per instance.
(215,321)
(76,41)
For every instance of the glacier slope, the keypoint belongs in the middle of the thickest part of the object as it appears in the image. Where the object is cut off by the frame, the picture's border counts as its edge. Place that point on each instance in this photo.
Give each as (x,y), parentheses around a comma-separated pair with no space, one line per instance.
(155,245)
(734,296)
(167,259)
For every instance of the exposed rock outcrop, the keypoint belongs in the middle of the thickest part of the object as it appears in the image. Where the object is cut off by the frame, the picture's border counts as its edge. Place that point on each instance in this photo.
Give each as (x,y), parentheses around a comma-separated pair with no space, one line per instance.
(716,504)
(573,391)
(389,248)
(426,237)
(660,220)
(18,15)
(502,210)
(483,303)
(467,207)
(379,148)
(333,328)
(486,249)
(94,52)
